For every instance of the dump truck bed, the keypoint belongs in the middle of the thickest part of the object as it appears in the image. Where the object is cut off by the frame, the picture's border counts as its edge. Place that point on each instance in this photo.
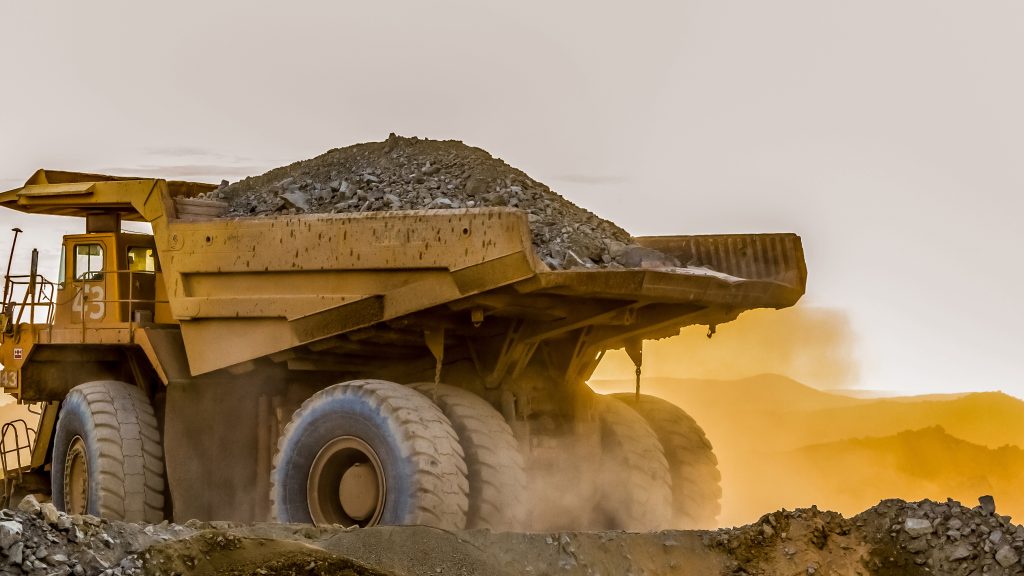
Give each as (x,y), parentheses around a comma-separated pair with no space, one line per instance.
(313,277)
(266,285)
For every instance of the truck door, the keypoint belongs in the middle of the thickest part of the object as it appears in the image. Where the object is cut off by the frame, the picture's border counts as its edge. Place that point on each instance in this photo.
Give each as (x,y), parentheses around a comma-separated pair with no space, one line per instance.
(89,280)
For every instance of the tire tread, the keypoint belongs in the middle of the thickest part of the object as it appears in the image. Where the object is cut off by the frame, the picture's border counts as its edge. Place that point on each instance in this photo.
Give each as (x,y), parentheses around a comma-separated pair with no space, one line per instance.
(696,480)
(496,473)
(637,468)
(426,438)
(124,431)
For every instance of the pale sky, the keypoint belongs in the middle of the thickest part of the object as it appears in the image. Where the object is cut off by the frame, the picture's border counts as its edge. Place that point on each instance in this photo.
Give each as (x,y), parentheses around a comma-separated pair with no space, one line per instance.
(887,133)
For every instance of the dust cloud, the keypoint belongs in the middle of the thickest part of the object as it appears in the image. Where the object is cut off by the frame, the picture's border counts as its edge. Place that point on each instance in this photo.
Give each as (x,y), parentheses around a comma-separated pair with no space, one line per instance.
(574,482)
(560,492)
(798,440)
(810,344)
(782,444)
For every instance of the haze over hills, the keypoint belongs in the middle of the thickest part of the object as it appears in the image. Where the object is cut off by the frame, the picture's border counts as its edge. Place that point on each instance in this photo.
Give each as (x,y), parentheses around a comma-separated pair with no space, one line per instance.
(796,411)
(784,444)
(991,419)
(766,392)
(850,475)
(875,394)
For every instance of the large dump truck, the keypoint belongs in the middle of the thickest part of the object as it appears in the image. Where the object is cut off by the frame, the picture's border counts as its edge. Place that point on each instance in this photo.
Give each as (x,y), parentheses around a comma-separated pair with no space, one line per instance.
(416,367)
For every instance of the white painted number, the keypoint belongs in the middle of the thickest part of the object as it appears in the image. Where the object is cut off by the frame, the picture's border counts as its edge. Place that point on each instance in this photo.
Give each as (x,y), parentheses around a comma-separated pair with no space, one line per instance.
(96,308)
(9,379)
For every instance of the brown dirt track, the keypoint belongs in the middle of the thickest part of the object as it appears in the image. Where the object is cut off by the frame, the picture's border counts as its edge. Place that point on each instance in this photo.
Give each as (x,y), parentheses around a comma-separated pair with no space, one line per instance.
(885,540)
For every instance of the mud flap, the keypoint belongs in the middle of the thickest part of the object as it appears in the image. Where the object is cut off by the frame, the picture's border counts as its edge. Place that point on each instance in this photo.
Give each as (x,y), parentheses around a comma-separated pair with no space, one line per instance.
(218,435)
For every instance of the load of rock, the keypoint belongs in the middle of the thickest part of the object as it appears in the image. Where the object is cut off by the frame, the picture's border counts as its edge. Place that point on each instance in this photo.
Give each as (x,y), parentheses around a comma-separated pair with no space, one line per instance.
(415,174)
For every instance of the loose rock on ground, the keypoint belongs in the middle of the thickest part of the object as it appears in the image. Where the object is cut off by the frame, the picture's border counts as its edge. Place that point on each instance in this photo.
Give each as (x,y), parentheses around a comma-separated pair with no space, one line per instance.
(893,537)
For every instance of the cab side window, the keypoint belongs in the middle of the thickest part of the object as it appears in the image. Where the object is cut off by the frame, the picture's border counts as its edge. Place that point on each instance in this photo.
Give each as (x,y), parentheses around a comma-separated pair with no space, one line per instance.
(88,262)
(141,259)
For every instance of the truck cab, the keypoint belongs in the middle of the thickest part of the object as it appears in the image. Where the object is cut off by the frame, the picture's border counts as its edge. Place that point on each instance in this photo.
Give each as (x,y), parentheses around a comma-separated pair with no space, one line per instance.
(107,278)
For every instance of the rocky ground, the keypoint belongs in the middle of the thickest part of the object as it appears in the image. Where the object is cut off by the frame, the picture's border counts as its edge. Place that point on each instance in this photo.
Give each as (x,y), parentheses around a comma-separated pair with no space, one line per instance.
(414,174)
(892,538)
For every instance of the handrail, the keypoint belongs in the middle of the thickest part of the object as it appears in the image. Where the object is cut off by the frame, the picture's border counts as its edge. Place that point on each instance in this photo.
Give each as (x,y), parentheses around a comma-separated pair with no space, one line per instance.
(44,295)
(10,481)
(37,292)
(16,425)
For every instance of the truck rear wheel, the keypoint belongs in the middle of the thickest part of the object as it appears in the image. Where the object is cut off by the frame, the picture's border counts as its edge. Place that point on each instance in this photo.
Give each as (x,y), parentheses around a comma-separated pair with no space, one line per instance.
(369,452)
(497,481)
(696,481)
(634,486)
(107,456)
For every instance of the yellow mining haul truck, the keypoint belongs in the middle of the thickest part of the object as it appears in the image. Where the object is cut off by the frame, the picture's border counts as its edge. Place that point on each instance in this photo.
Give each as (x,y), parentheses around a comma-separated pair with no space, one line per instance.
(418,367)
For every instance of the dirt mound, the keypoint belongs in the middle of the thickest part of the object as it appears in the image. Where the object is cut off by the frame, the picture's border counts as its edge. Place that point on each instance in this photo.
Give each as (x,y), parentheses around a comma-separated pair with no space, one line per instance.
(414,174)
(213,552)
(893,537)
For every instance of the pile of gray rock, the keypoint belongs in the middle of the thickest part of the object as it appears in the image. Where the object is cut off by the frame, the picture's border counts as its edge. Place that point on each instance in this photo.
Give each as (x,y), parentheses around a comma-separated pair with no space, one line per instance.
(892,537)
(949,538)
(38,539)
(415,174)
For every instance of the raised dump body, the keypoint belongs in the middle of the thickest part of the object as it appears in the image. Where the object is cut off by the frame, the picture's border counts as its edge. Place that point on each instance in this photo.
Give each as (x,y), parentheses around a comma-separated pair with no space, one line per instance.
(240,336)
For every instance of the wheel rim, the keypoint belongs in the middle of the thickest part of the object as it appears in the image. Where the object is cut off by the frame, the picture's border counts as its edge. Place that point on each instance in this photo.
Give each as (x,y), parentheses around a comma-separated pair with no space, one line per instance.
(346,484)
(76,478)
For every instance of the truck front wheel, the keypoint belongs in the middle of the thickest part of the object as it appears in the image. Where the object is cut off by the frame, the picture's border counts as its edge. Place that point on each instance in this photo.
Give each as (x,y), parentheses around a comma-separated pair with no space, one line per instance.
(107,456)
(369,452)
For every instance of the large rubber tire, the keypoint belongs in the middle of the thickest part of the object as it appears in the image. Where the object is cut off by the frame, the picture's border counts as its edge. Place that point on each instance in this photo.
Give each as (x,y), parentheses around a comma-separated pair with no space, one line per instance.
(497,480)
(418,452)
(696,481)
(634,486)
(123,460)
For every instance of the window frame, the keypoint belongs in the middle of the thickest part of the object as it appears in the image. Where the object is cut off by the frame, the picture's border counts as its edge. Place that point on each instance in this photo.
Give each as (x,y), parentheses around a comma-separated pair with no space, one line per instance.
(62,273)
(94,275)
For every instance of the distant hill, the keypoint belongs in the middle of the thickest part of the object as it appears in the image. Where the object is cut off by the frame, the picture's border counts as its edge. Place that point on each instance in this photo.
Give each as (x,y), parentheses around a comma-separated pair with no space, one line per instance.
(871,394)
(766,392)
(850,475)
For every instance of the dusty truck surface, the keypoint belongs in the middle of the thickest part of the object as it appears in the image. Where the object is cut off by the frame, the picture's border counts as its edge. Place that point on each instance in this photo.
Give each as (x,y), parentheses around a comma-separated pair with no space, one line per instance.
(417,367)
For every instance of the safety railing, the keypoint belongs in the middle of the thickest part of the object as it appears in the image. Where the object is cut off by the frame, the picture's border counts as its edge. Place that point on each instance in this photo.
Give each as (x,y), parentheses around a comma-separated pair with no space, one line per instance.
(30,294)
(14,458)
(35,299)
